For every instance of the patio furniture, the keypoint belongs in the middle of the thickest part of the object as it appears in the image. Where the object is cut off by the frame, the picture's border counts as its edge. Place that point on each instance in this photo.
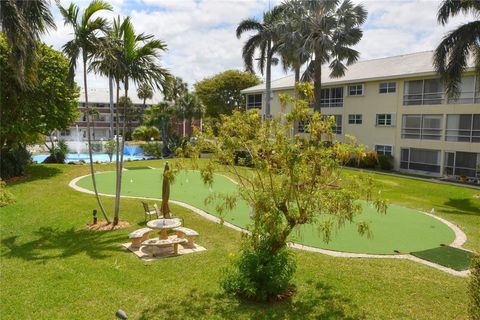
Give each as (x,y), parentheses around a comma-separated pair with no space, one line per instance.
(148,213)
(152,243)
(163,225)
(190,234)
(138,236)
(160,214)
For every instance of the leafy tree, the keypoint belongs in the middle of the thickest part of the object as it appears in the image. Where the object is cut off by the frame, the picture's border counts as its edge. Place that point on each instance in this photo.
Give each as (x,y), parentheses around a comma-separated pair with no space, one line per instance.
(146,133)
(50,105)
(175,88)
(220,94)
(329,29)
(144,92)
(452,54)
(23,23)
(294,181)
(187,107)
(84,44)
(130,112)
(110,147)
(160,115)
(262,40)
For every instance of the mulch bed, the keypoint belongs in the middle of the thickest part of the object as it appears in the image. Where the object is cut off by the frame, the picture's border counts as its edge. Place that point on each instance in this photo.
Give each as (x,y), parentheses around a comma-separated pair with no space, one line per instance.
(104,226)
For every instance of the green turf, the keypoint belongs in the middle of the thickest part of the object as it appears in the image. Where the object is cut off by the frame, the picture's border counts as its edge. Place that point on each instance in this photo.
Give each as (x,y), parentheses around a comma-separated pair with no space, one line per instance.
(400,229)
(138,168)
(450,257)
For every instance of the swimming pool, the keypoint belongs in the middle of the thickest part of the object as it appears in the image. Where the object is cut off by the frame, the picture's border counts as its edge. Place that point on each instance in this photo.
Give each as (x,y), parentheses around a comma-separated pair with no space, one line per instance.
(100,157)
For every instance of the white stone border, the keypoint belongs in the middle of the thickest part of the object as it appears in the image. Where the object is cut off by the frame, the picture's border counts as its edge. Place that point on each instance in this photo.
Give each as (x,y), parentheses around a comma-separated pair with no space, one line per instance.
(460,236)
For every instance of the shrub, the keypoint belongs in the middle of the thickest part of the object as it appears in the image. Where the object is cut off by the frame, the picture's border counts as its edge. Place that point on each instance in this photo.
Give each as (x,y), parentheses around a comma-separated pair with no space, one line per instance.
(474,289)
(152,149)
(145,133)
(110,148)
(385,162)
(243,158)
(14,161)
(58,154)
(6,197)
(177,142)
(368,161)
(258,275)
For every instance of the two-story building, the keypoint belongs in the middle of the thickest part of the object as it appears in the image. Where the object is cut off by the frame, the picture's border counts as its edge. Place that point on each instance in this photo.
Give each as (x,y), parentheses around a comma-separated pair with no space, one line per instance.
(397,106)
(98,100)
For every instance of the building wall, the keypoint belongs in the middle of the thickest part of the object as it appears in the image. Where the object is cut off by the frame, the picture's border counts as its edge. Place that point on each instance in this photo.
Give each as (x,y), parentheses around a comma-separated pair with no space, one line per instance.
(372,103)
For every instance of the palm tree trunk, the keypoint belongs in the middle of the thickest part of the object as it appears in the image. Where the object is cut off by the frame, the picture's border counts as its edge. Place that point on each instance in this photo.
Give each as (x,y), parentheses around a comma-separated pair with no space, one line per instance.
(184,123)
(92,171)
(317,81)
(297,74)
(120,164)
(110,87)
(117,164)
(268,81)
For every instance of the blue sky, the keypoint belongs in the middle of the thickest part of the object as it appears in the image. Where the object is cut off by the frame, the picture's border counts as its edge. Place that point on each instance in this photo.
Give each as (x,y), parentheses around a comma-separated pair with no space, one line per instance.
(200,34)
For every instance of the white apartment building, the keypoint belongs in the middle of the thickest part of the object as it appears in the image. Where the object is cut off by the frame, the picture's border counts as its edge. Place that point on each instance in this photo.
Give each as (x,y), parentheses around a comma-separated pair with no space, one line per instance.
(100,124)
(397,106)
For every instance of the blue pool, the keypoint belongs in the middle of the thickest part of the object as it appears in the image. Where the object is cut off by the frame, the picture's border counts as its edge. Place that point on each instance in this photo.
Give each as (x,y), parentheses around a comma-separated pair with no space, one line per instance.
(100,157)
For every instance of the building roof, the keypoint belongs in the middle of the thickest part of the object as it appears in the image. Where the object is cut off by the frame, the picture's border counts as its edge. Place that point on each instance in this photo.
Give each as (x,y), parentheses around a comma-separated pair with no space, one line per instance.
(407,65)
(102,95)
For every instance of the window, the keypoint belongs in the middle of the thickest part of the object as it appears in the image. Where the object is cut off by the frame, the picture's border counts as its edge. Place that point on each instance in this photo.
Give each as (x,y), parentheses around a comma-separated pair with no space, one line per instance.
(385,119)
(423,92)
(463,128)
(65,133)
(354,119)
(387,87)
(332,97)
(426,127)
(254,101)
(469,91)
(384,150)
(420,159)
(355,90)
(462,164)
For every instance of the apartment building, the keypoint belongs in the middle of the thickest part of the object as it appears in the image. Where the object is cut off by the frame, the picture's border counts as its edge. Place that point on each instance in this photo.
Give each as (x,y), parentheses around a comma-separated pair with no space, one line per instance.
(397,106)
(98,99)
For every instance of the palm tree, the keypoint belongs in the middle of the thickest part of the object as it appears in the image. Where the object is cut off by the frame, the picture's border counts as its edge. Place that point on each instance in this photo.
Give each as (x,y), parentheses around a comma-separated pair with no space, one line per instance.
(329,29)
(23,23)
(263,40)
(138,60)
(160,115)
(452,54)
(85,42)
(175,88)
(144,92)
(188,106)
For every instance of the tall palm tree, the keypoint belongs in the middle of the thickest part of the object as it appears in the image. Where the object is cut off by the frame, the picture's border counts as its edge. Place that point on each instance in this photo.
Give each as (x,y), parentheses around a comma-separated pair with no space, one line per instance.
(452,54)
(23,22)
(264,41)
(160,115)
(330,29)
(85,42)
(144,92)
(176,87)
(139,60)
(188,106)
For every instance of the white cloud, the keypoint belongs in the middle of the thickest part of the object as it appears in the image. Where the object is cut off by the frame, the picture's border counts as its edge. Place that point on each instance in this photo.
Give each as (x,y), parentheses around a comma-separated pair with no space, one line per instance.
(201,33)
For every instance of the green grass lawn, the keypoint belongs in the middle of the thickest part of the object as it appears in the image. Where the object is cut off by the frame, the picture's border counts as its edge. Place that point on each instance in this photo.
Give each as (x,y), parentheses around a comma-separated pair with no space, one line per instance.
(450,257)
(400,229)
(51,268)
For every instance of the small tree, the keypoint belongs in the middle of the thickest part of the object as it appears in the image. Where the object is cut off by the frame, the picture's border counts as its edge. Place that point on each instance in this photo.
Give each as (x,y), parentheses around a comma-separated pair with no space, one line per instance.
(110,147)
(294,180)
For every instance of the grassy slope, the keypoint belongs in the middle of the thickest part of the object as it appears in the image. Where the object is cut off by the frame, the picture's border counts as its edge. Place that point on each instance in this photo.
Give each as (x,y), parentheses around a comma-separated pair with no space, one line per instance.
(52,268)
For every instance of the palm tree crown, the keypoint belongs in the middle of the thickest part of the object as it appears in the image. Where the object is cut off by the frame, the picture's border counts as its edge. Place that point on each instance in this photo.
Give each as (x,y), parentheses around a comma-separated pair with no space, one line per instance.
(452,54)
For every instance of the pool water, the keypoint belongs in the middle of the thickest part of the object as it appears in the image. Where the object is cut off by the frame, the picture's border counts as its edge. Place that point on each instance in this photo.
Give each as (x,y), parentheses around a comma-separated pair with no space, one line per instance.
(100,157)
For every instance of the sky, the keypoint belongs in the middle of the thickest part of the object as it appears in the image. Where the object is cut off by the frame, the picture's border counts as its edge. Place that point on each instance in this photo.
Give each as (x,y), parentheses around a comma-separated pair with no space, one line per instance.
(200,34)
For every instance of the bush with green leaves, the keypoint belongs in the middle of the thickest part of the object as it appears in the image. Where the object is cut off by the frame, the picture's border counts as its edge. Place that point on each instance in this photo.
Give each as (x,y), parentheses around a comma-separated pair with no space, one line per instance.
(6,197)
(110,147)
(153,149)
(146,133)
(58,153)
(257,274)
(474,288)
(385,162)
(14,161)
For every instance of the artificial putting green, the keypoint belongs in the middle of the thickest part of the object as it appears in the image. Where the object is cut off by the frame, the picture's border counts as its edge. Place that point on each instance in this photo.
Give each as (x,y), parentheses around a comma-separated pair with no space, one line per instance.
(447,256)
(401,229)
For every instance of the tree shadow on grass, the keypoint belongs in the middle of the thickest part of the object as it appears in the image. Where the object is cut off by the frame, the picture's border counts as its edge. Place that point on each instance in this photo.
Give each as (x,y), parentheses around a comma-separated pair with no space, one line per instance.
(58,244)
(35,172)
(321,302)
(462,206)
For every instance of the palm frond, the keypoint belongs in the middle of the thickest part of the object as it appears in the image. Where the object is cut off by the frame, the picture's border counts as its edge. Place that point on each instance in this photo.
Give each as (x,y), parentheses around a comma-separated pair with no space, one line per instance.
(450,8)
(248,25)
